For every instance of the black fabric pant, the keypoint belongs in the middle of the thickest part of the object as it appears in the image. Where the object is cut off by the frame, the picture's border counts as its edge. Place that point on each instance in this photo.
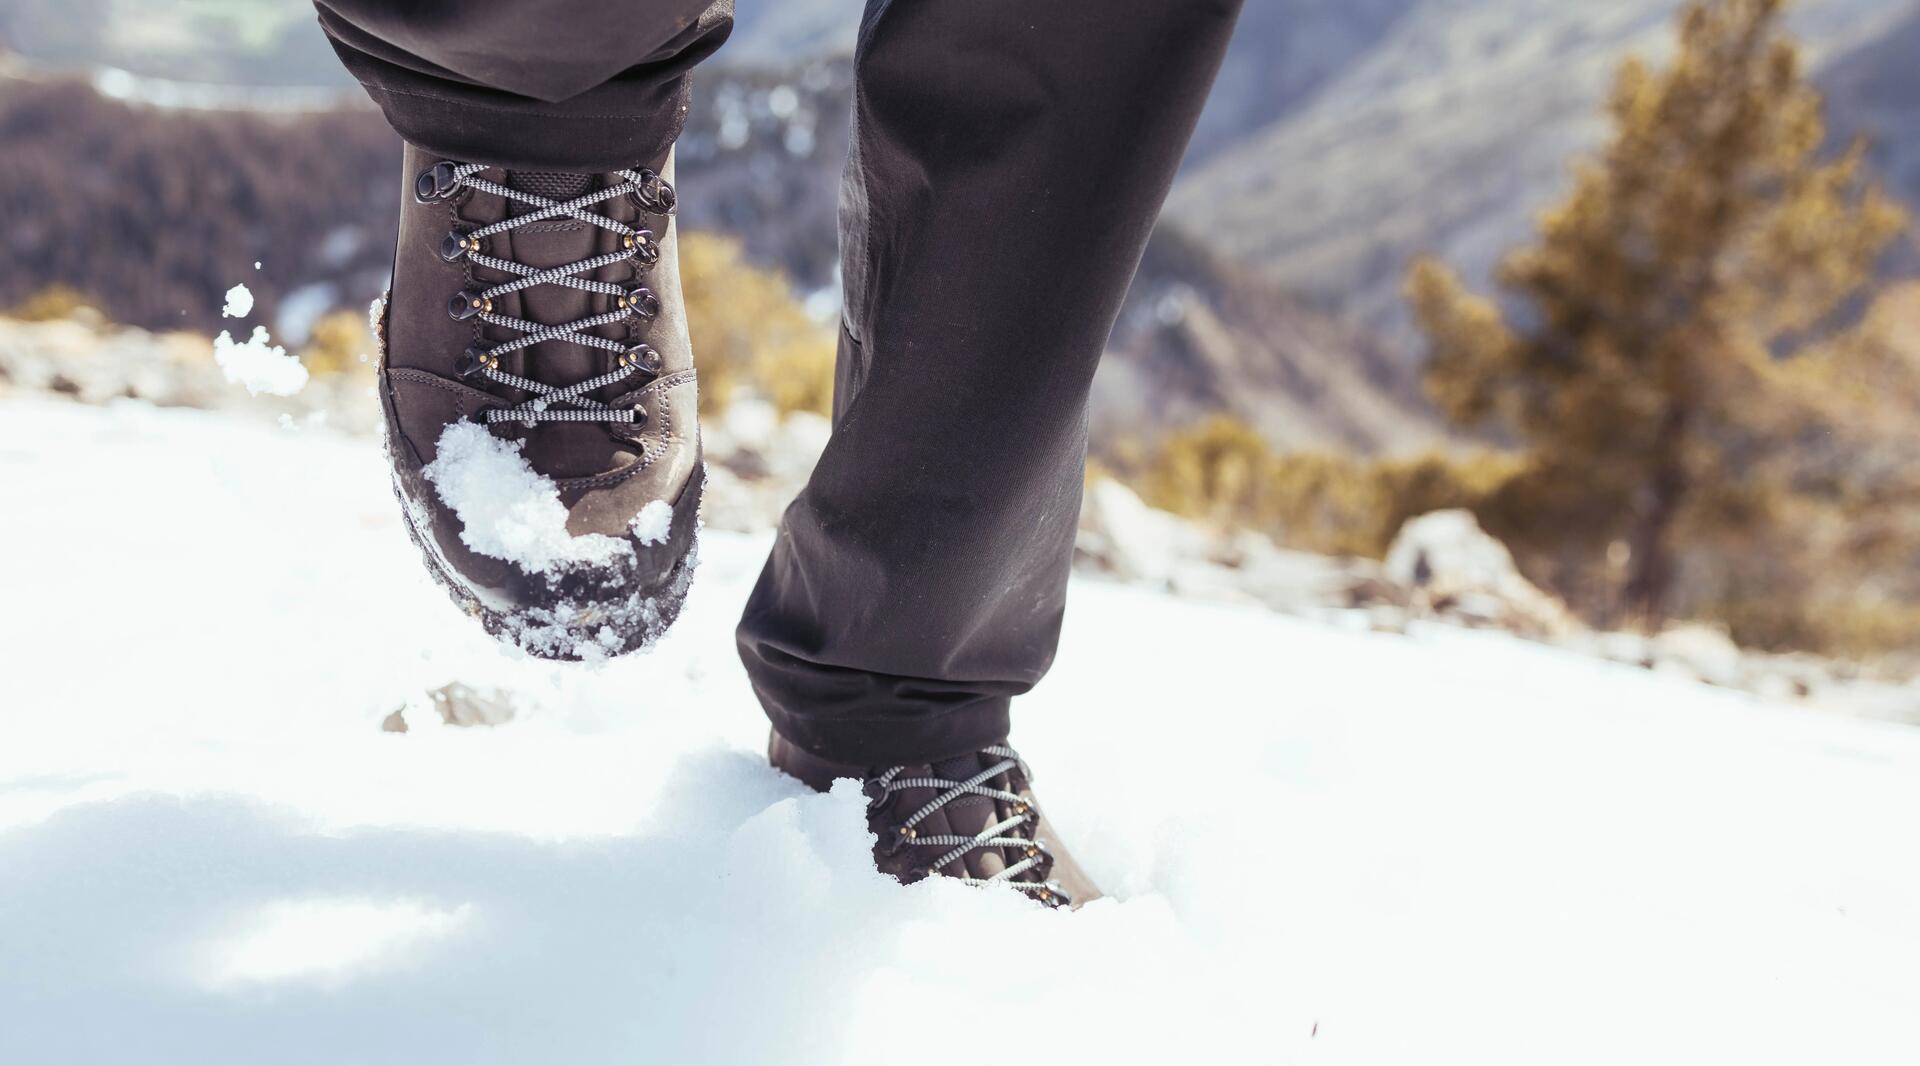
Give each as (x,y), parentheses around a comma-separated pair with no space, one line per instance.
(1009,158)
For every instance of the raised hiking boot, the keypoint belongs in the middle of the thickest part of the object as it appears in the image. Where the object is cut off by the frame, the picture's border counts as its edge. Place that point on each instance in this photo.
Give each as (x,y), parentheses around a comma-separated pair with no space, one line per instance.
(540,401)
(971,817)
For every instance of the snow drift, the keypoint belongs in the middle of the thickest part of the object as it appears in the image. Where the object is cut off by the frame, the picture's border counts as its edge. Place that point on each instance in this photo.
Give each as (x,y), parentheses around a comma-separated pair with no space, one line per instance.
(1323,845)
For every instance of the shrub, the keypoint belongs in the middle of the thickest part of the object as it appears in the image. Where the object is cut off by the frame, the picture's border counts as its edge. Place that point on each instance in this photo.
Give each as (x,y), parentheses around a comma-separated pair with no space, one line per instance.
(749,329)
(340,341)
(1222,472)
(52,303)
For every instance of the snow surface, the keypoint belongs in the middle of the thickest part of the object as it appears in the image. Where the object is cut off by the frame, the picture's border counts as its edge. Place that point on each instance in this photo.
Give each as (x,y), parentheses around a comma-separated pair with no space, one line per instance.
(1324,845)
(259,364)
(239,301)
(653,523)
(509,510)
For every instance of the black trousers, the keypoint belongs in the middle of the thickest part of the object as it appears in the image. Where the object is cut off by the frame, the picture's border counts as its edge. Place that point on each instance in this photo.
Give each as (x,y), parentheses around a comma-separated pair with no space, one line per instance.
(1009,158)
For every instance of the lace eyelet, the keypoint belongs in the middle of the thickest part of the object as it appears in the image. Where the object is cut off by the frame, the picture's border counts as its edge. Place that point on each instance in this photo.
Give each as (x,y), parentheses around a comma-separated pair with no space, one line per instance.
(641,247)
(475,362)
(654,195)
(457,243)
(640,300)
(467,304)
(435,183)
(640,356)
(897,838)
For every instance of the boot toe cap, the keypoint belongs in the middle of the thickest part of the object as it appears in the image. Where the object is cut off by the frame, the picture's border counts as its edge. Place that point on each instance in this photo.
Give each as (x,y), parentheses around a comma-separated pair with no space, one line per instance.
(618,598)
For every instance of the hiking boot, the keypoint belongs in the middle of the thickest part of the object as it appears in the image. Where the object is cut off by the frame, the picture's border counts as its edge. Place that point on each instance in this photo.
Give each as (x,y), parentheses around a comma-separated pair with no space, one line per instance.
(971,817)
(540,402)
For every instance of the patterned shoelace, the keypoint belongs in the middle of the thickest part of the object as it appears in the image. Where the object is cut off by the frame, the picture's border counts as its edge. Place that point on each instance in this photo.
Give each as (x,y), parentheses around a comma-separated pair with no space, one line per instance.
(553,403)
(1015,832)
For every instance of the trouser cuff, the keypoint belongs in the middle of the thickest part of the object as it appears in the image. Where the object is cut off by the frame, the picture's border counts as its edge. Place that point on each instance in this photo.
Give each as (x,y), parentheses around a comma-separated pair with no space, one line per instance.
(907,735)
(619,124)
(525,138)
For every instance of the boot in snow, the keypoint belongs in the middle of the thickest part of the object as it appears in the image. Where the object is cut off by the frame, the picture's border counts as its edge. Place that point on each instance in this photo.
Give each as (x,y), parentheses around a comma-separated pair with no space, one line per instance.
(540,402)
(971,817)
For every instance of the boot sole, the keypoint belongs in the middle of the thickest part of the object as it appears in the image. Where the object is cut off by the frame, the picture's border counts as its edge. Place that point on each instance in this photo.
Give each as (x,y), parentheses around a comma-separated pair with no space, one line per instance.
(594,616)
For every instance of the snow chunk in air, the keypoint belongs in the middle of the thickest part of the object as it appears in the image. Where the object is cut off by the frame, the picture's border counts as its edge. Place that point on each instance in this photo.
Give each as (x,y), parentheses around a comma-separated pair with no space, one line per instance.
(653,522)
(506,508)
(259,364)
(239,302)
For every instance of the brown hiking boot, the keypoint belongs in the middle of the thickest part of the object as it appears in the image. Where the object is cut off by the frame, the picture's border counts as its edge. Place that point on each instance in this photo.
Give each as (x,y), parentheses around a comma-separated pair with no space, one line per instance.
(971,817)
(539,392)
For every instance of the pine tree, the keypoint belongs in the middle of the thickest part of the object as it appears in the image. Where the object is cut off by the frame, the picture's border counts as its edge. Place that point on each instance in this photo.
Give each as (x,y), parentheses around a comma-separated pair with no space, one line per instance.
(1639,352)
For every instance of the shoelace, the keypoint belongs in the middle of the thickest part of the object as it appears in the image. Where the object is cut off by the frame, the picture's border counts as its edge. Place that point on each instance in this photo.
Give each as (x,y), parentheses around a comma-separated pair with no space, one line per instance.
(1015,832)
(551,403)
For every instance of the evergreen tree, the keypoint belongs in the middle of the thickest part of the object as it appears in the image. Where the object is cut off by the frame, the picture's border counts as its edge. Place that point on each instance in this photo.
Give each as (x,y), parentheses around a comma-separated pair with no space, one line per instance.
(1644,354)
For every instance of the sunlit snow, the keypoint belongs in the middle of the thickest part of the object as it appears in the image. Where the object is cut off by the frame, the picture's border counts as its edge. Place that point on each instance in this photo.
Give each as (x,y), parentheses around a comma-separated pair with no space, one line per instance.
(1322,845)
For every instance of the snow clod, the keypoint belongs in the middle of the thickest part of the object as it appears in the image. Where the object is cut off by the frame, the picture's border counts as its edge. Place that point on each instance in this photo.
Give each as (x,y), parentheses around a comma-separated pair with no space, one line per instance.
(239,302)
(653,522)
(508,510)
(259,364)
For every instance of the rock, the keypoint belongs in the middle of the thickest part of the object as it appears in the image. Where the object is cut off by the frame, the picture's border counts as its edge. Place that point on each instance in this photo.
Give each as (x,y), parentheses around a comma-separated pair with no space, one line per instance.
(1779,686)
(757,462)
(738,503)
(1121,535)
(1699,650)
(99,363)
(1454,570)
(395,722)
(463,706)
(1301,582)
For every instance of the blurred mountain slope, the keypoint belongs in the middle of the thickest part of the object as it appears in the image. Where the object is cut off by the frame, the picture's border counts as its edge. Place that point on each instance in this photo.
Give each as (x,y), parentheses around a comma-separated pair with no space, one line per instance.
(235,42)
(1201,335)
(1445,136)
(1344,136)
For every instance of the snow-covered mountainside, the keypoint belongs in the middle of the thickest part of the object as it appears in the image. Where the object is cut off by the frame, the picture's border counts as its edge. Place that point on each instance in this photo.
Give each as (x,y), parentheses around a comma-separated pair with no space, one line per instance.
(1323,845)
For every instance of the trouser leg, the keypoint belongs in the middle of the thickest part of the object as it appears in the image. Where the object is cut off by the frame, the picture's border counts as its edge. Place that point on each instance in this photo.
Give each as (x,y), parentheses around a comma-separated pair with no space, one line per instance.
(1009,158)
(576,85)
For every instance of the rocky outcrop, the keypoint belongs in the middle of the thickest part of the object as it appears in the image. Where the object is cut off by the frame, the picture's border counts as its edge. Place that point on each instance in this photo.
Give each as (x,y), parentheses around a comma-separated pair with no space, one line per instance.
(1443,568)
(89,361)
(1451,568)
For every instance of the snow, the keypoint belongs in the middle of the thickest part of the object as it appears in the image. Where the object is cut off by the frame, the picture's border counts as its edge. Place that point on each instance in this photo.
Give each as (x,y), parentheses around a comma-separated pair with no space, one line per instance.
(323,940)
(508,510)
(653,522)
(239,302)
(259,364)
(1324,845)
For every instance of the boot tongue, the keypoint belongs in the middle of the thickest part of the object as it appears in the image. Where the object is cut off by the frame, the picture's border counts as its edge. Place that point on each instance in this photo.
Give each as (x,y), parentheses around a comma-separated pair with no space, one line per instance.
(552,184)
(565,449)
